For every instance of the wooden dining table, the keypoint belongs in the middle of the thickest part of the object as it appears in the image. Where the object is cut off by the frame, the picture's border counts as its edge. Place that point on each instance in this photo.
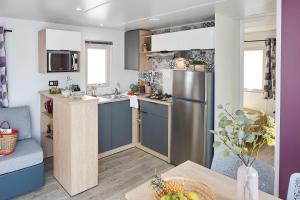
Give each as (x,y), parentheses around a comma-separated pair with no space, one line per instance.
(224,187)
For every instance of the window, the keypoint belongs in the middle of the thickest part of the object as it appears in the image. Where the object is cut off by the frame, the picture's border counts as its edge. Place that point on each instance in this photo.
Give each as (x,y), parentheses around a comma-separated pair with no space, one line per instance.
(98,64)
(253,69)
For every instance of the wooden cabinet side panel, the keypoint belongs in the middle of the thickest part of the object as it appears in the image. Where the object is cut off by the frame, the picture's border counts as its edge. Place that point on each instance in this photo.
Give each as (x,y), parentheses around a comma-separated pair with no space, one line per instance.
(42,52)
(84,146)
(61,143)
(144,63)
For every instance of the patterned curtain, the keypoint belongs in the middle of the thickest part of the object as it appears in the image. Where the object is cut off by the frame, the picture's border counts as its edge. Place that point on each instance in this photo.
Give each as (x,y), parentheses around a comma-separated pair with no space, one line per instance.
(270,70)
(3,72)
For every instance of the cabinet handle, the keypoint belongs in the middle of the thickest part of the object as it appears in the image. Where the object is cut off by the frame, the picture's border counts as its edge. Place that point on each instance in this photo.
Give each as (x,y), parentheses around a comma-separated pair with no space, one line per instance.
(144,112)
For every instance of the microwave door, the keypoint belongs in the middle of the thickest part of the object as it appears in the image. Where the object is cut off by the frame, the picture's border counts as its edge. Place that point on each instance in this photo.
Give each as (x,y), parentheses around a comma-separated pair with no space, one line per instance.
(59,61)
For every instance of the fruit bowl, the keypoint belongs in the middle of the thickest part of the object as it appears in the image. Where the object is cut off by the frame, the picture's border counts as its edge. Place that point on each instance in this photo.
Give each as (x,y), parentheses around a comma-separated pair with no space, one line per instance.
(180,188)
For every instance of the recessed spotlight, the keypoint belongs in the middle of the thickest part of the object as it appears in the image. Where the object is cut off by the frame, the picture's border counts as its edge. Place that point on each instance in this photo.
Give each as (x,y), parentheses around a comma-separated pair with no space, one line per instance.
(154,19)
(79,9)
(101,24)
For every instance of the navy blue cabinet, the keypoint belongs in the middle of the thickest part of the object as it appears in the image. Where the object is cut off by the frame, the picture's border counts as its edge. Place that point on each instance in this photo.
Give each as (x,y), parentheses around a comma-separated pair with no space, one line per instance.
(115,125)
(104,127)
(121,129)
(154,127)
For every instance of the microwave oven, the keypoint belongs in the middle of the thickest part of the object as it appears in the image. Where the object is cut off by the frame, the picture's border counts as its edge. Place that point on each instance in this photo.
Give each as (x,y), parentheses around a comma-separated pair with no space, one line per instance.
(63,61)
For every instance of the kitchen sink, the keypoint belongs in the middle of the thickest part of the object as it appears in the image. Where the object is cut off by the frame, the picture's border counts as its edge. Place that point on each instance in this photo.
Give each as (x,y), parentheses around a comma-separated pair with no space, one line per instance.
(111,96)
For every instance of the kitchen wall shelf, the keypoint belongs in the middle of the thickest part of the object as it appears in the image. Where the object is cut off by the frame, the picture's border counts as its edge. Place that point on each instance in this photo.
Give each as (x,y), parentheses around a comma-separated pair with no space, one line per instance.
(50,115)
(45,120)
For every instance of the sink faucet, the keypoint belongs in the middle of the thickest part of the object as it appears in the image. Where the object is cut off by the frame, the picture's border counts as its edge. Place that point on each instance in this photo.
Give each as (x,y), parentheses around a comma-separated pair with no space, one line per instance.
(117,92)
(117,89)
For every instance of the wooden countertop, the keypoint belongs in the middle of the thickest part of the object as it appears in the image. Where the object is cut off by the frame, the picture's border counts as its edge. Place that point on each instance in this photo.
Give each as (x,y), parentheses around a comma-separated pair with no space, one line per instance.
(144,98)
(68,99)
(103,100)
(223,186)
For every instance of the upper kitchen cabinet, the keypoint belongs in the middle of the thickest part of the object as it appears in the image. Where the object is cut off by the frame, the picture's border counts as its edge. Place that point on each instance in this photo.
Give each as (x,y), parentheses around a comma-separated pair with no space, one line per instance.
(137,44)
(203,38)
(59,51)
(61,40)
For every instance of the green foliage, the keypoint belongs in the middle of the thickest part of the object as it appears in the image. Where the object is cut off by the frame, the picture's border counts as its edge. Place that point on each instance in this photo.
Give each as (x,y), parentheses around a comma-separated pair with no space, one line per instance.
(243,136)
(198,62)
(157,182)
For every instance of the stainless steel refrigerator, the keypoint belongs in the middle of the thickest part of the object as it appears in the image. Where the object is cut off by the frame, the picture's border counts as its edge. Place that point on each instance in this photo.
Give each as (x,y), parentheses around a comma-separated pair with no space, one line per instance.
(192,117)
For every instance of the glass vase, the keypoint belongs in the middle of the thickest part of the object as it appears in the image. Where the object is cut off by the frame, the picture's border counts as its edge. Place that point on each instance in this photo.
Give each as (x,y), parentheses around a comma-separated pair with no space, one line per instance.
(247,183)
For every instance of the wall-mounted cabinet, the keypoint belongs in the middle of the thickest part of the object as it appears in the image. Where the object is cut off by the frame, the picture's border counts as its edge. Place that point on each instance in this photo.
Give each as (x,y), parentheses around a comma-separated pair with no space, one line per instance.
(60,43)
(135,54)
(203,38)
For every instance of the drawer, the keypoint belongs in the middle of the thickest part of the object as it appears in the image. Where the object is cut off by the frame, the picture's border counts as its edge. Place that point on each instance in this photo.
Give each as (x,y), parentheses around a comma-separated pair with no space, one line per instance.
(153,108)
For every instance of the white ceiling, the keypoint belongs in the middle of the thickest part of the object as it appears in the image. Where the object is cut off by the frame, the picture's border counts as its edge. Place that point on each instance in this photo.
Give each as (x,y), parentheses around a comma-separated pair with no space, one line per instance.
(127,14)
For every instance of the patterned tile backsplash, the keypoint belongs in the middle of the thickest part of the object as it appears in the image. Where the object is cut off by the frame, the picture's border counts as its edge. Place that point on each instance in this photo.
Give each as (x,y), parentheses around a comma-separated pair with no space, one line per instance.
(170,61)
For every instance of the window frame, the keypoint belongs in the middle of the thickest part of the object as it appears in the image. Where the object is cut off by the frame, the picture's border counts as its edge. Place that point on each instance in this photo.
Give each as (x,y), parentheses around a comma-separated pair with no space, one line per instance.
(108,49)
(256,48)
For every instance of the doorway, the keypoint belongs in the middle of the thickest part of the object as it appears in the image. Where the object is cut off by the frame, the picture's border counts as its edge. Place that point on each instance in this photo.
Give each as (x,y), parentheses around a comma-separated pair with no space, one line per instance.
(259,78)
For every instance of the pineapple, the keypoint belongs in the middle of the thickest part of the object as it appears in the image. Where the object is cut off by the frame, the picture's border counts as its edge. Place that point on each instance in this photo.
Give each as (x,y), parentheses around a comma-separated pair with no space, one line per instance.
(172,188)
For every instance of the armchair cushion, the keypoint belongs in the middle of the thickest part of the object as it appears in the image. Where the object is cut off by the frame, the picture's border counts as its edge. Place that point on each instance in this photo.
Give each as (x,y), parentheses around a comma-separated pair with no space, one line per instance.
(28,153)
(18,118)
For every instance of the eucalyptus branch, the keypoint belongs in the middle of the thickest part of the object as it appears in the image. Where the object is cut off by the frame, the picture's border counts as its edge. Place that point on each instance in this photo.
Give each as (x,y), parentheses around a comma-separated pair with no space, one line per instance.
(237,135)
(230,148)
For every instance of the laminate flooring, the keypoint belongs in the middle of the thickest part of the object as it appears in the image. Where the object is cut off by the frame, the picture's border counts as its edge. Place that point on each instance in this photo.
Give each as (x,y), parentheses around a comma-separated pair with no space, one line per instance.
(118,174)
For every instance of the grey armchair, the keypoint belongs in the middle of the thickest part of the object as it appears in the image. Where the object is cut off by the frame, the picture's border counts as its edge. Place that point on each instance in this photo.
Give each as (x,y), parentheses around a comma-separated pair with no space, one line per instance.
(22,171)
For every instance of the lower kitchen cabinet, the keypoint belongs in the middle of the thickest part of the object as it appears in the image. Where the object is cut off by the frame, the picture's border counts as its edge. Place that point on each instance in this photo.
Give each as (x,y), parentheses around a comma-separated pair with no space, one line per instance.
(121,129)
(154,127)
(115,125)
(104,127)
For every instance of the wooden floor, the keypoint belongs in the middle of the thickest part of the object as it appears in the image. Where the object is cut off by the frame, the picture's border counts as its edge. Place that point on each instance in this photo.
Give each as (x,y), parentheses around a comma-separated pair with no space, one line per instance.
(118,174)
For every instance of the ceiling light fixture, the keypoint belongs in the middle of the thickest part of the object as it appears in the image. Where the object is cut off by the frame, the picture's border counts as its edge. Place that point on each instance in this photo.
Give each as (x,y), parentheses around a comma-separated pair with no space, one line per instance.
(79,9)
(101,24)
(154,19)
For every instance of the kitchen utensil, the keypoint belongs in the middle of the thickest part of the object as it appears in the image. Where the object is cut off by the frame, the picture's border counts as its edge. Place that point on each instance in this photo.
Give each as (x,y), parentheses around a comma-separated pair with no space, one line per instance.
(66,93)
(49,106)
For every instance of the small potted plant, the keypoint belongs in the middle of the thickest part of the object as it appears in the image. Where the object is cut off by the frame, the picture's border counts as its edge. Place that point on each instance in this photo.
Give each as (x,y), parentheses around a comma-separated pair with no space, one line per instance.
(243,137)
(198,65)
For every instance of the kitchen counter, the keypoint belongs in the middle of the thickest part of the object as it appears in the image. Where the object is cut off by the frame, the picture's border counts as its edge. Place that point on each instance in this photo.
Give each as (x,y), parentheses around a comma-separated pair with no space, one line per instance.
(74,122)
(144,98)
(68,99)
(103,100)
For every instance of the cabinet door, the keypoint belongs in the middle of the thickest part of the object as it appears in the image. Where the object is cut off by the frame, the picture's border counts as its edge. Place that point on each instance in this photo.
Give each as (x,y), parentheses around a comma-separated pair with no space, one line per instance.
(132,50)
(63,40)
(203,38)
(104,127)
(121,128)
(154,132)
